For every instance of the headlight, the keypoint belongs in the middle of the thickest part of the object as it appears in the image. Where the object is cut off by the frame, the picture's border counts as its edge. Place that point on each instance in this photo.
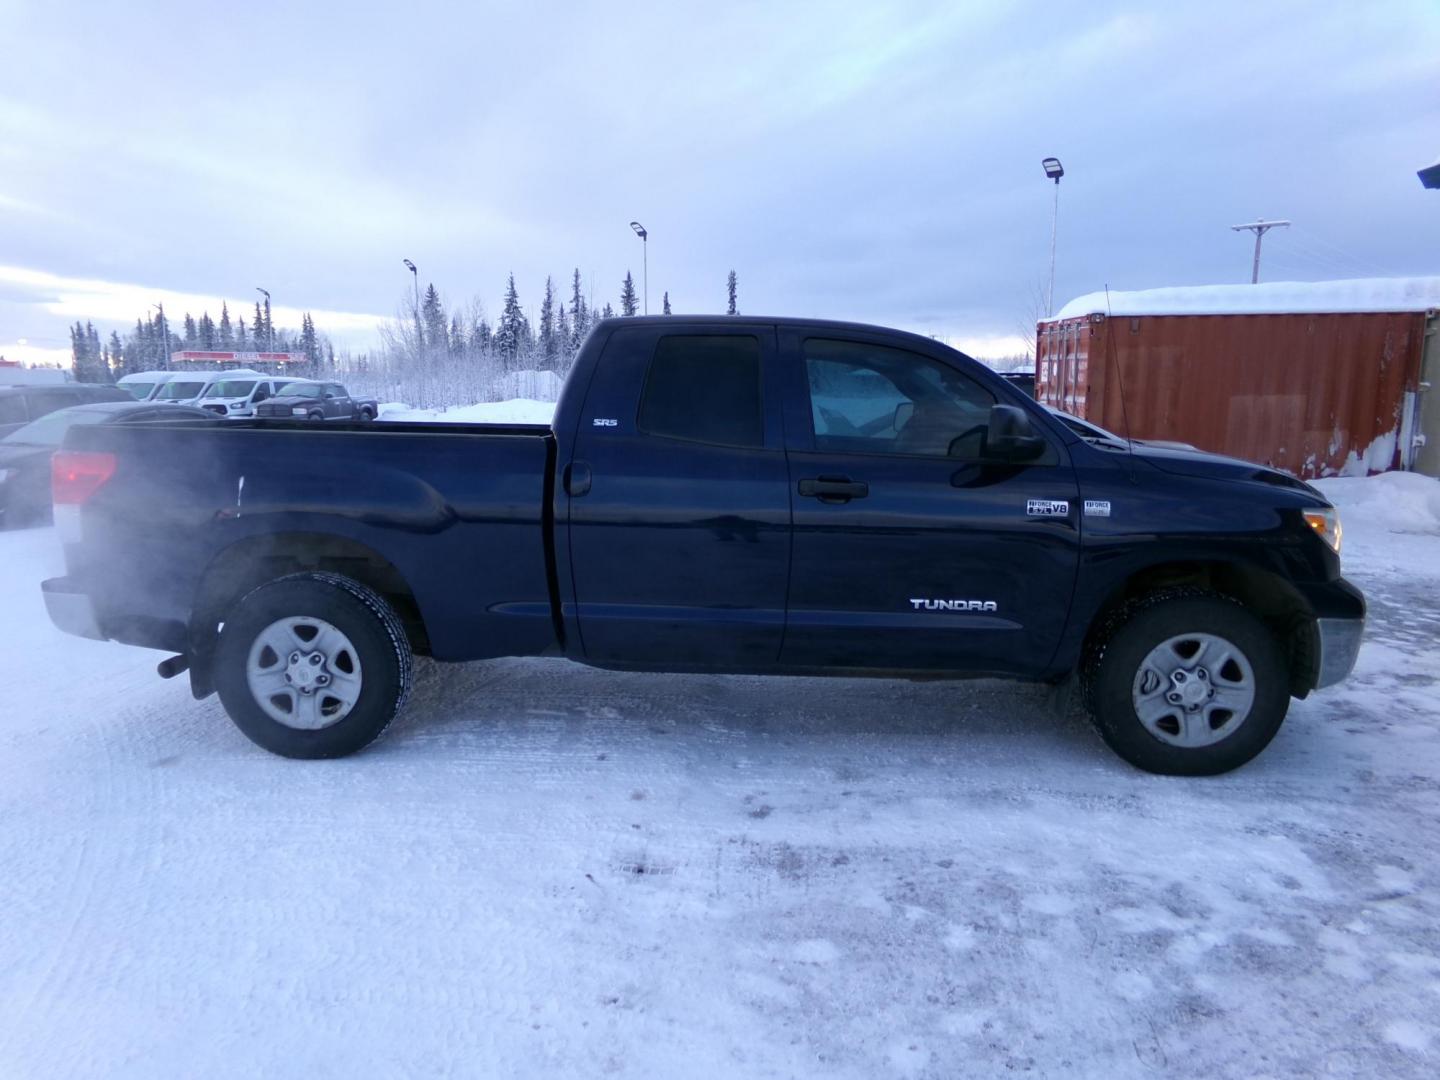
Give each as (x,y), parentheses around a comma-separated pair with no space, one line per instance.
(1326,522)
(297,412)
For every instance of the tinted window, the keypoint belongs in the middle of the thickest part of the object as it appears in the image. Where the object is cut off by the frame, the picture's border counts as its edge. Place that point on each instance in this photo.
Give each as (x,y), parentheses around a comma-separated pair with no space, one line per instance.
(12,410)
(705,389)
(179,391)
(231,388)
(871,399)
(298,389)
(47,401)
(334,390)
(138,390)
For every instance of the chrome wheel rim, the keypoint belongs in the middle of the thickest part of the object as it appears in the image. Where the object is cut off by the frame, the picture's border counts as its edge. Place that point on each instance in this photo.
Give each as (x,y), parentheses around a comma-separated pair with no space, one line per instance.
(304,673)
(1193,690)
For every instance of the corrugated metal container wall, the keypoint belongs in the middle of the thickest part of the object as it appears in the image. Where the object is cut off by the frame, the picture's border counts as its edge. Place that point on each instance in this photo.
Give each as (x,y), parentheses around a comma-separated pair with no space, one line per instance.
(1316,395)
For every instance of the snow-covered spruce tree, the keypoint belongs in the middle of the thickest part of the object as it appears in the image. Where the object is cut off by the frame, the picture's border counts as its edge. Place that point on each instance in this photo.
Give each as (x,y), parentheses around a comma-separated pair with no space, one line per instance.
(227,332)
(667,302)
(242,336)
(191,337)
(609,312)
(549,346)
(257,325)
(563,355)
(509,335)
(117,356)
(206,331)
(433,313)
(730,289)
(628,301)
(579,318)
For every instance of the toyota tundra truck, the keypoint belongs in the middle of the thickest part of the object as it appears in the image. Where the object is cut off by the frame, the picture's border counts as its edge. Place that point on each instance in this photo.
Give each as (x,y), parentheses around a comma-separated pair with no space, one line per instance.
(715,494)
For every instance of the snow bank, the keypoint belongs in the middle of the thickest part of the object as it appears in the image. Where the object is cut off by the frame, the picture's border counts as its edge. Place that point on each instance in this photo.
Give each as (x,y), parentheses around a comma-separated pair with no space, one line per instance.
(1397,502)
(514,411)
(1268,298)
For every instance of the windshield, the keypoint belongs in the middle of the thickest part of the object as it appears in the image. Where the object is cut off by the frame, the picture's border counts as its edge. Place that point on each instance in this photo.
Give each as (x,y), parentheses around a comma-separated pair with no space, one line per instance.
(179,391)
(299,389)
(50,430)
(138,390)
(231,388)
(1085,429)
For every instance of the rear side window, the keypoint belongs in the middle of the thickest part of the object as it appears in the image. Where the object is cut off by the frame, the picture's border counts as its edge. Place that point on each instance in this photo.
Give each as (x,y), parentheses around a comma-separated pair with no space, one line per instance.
(705,389)
(12,410)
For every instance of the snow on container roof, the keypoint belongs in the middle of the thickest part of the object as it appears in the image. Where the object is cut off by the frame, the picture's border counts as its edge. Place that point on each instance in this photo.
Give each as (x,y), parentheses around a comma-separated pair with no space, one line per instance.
(1268,298)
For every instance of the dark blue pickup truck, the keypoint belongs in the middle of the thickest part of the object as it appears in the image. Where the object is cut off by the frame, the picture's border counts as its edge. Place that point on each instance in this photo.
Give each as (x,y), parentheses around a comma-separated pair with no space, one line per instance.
(717,494)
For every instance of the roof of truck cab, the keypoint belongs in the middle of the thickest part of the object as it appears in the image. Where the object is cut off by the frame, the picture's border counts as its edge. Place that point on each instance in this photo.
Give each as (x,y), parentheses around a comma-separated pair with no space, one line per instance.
(778,321)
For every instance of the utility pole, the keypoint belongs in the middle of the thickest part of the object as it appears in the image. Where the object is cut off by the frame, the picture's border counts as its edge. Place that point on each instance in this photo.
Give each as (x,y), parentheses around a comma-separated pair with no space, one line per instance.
(1260,228)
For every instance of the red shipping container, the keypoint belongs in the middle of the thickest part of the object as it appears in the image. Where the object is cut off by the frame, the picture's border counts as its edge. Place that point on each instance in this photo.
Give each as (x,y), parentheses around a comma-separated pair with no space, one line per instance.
(1260,372)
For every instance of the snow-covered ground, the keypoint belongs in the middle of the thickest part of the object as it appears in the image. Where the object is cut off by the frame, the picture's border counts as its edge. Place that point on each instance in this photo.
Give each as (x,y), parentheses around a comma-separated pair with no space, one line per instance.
(514,411)
(547,871)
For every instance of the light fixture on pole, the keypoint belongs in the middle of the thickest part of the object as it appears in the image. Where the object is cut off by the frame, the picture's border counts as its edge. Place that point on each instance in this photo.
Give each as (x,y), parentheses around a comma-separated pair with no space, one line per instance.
(1053,171)
(416,275)
(645,259)
(269,325)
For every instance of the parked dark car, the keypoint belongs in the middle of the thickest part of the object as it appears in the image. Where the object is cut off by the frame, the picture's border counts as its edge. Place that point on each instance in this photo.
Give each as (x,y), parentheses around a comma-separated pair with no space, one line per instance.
(716,494)
(25,454)
(307,400)
(21,404)
(1024,381)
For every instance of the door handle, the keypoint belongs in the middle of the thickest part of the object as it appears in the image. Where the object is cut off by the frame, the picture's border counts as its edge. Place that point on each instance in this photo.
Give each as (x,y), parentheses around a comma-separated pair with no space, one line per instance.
(577,478)
(834,489)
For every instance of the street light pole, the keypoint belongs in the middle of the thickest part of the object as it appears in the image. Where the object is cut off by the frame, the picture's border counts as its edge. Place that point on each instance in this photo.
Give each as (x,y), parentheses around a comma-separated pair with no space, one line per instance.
(1261,227)
(269,321)
(644,259)
(1054,171)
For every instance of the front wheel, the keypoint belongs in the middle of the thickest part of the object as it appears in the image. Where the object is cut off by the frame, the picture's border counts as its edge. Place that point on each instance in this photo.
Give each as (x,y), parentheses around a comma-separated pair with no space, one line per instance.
(1189,685)
(316,416)
(312,665)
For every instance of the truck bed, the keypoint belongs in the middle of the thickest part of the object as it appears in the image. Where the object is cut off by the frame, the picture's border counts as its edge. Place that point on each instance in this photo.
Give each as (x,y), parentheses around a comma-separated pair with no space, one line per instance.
(460,511)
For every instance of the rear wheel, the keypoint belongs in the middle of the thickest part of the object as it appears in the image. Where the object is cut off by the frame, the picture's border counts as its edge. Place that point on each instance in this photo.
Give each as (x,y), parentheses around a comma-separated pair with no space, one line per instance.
(366,415)
(312,665)
(1188,685)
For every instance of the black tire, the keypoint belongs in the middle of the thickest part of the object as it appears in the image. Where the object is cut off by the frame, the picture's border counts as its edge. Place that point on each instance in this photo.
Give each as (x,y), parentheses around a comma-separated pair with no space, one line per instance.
(366,416)
(1114,666)
(316,416)
(362,616)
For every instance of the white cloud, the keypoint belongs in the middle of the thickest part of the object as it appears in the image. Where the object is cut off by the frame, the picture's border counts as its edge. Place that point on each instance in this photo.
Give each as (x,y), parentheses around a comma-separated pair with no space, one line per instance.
(120,303)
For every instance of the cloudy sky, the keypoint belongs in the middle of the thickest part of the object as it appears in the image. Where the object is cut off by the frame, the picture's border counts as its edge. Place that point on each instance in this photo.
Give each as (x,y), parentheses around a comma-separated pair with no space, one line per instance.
(875,161)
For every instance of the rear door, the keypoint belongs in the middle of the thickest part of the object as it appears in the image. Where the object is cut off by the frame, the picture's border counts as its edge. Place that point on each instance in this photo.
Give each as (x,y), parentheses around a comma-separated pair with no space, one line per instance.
(910,552)
(337,402)
(678,501)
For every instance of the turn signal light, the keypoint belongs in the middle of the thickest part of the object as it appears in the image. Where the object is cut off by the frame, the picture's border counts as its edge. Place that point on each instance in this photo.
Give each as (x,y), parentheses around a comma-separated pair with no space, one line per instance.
(75,475)
(1326,522)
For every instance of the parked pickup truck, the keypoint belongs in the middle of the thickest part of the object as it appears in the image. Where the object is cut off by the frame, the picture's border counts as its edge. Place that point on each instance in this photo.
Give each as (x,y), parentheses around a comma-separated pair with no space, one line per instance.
(305,400)
(726,494)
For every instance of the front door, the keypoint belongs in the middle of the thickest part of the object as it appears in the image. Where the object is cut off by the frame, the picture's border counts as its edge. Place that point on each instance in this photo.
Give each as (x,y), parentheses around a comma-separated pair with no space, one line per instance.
(910,551)
(678,501)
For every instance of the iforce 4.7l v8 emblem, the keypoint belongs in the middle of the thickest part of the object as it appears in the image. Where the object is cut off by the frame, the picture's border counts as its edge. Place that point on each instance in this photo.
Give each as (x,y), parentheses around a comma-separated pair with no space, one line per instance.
(1047,508)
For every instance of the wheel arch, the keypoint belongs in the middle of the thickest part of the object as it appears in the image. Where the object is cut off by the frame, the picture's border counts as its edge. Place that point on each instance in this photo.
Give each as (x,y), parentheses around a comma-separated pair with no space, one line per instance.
(254,560)
(1265,594)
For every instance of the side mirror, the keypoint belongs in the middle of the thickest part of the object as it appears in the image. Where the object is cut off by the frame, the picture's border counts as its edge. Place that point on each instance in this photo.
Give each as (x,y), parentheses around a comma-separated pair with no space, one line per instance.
(1010,436)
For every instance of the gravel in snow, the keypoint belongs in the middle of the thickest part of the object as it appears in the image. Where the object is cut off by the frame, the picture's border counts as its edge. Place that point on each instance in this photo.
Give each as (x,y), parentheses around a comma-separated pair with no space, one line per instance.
(550,871)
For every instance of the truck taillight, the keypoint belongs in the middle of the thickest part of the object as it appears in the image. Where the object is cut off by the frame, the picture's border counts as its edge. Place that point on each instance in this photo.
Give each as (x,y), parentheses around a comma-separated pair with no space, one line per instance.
(75,475)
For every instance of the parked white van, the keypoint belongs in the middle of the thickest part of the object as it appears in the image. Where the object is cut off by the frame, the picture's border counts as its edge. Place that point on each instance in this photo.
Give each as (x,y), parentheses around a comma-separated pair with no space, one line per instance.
(189,387)
(142,384)
(236,394)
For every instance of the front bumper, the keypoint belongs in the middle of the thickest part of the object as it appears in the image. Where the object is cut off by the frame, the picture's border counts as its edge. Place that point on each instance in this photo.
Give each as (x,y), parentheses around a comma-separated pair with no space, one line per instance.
(71,611)
(1339,646)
